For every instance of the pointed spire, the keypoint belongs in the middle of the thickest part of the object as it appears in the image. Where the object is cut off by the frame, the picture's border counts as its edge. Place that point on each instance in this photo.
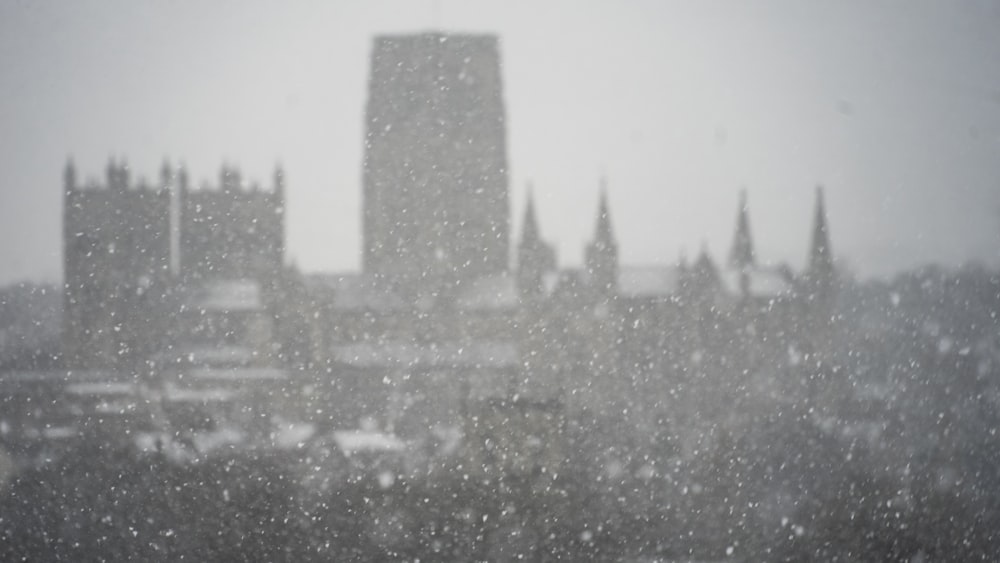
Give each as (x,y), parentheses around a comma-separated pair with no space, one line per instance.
(166,173)
(69,174)
(279,178)
(182,177)
(123,173)
(703,273)
(225,177)
(704,261)
(603,233)
(820,259)
(535,258)
(741,256)
(601,255)
(112,173)
(529,229)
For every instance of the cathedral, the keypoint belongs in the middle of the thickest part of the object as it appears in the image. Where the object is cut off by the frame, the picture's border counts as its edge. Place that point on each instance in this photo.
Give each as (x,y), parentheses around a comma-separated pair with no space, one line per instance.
(439,324)
(183,294)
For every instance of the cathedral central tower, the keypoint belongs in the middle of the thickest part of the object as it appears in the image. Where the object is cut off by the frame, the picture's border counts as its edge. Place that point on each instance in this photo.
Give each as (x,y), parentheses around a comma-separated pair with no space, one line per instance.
(435,166)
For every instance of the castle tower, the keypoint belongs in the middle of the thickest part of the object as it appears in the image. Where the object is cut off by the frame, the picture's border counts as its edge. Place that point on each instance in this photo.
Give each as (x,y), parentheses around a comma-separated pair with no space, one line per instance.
(435,165)
(535,258)
(116,266)
(601,258)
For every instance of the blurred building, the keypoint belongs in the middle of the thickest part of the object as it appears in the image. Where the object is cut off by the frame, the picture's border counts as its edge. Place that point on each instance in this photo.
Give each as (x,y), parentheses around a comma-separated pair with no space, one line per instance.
(180,294)
(435,165)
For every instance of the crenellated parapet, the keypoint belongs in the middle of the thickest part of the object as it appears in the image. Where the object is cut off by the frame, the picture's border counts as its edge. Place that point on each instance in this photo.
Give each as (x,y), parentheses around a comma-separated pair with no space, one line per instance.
(233,229)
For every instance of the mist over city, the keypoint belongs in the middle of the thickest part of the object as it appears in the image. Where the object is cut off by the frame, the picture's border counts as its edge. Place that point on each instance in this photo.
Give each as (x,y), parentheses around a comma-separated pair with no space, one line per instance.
(442,281)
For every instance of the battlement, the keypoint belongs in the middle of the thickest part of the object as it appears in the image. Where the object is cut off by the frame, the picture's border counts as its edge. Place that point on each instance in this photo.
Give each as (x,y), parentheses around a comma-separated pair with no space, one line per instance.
(117,178)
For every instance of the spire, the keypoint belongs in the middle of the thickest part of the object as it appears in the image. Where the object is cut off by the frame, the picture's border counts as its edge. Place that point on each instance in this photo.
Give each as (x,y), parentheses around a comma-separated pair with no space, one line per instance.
(603,233)
(227,177)
(820,273)
(112,173)
(535,258)
(529,229)
(602,254)
(182,177)
(69,174)
(123,179)
(279,178)
(820,259)
(704,268)
(166,174)
(741,256)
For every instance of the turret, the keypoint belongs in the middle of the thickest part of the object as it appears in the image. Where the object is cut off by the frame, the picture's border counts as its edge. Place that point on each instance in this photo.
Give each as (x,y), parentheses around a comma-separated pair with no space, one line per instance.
(602,252)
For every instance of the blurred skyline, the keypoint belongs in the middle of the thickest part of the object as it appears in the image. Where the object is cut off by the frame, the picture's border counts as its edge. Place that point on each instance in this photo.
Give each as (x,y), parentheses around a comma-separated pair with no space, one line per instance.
(894,108)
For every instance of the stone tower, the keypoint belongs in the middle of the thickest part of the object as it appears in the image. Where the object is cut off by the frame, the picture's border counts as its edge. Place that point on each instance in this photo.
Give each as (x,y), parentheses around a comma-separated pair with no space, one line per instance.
(435,166)
(116,265)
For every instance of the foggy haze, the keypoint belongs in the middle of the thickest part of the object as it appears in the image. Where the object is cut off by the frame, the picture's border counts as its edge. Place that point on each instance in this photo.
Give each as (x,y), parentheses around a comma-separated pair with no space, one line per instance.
(895,109)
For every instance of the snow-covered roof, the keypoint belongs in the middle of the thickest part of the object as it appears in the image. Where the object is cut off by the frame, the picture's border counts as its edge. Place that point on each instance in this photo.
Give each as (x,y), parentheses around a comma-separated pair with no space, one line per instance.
(353,441)
(61,376)
(218,355)
(357,291)
(451,354)
(647,281)
(238,374)
(228,295)
(60,432)
(175,394)
(292,434)
(101,388)
(764,282)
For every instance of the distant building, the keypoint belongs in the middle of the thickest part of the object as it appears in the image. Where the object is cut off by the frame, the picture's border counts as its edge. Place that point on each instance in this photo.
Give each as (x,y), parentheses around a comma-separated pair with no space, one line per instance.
(435,166)
(184,291)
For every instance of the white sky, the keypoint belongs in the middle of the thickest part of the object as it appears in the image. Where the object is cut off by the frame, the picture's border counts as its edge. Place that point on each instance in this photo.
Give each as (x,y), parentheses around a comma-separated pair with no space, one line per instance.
(893,106)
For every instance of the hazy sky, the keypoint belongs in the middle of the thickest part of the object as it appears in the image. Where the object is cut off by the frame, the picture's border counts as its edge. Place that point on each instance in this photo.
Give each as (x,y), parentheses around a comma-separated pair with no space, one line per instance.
(893,106)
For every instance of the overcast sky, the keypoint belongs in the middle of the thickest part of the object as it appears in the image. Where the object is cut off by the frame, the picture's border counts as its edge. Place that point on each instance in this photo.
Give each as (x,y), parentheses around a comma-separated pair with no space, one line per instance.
(893,106)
